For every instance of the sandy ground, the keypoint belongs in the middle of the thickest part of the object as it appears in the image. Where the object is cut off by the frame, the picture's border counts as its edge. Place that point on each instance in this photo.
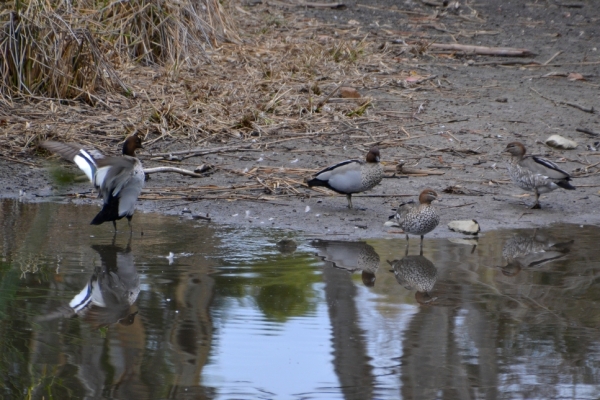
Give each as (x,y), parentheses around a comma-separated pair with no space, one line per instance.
(458,126)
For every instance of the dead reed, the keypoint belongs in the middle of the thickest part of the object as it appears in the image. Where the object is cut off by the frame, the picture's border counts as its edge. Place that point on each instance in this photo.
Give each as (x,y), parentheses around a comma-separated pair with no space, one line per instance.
(71,51)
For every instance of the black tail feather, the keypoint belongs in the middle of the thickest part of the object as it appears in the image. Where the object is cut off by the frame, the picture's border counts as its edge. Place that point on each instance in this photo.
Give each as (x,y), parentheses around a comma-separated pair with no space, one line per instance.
(110,212)
(316,182)
(565,185)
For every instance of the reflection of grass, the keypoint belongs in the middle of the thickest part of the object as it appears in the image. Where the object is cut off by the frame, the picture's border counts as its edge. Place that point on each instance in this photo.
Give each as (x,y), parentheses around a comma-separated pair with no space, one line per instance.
(62,176)
(281,286)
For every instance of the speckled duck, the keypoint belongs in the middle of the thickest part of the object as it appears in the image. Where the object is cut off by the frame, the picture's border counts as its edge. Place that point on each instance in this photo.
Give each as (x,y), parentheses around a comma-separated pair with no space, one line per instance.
(421,219)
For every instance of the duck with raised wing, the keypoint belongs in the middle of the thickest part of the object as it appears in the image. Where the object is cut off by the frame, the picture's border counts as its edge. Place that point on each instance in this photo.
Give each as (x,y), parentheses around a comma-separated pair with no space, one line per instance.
(535,174)
(351,176)
(418,219)
(119,180)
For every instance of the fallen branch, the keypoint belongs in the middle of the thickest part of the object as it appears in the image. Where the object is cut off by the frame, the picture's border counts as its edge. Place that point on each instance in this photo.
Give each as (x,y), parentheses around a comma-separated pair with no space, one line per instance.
(584,109)
(205,151)
(587,131)
(321,5)
(509,62)
(181,171)
(402,170)
(483,50)
(558,102)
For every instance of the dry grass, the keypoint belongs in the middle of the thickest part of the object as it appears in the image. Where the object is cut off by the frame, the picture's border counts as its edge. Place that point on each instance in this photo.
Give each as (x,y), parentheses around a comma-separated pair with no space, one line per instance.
(72,51)
(264,84)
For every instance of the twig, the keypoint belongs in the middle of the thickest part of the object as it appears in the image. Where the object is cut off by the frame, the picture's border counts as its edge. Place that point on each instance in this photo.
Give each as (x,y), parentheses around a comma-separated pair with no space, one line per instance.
(205,151)
(553,57)
(322,102)
(322,5)
(181,171)
(509,62)
(587,110)
(587,131)
(483,50)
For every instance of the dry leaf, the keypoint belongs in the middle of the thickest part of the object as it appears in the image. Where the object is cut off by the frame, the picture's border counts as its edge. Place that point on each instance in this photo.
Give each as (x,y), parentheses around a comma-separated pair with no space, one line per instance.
(349,93)
(574,76)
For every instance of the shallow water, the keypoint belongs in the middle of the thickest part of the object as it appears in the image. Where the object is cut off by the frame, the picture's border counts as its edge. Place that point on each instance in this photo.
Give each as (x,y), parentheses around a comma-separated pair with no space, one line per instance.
(231,316)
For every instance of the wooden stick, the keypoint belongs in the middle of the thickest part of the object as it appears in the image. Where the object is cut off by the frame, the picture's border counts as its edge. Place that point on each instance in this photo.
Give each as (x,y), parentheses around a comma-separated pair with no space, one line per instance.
(483,50)
(584,109)
(205,151)
(553,57)
(322,102)
(181,171)
(322,5)
(587,131)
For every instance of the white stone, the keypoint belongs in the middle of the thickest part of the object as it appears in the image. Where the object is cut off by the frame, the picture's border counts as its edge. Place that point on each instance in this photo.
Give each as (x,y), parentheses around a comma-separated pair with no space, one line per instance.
(560,142)
(468,227)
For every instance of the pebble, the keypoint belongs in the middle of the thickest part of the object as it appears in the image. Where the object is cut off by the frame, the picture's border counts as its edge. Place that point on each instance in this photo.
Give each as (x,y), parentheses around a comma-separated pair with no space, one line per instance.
(468,227)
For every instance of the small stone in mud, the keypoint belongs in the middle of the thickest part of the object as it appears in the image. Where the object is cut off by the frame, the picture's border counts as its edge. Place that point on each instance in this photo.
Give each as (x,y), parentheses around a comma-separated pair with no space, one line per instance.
(560,142)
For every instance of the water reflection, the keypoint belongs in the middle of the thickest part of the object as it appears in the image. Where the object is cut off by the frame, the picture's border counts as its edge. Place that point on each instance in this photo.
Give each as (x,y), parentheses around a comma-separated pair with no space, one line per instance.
(416,273)
(110,292)
(350,256)
(235,312)
(525,251)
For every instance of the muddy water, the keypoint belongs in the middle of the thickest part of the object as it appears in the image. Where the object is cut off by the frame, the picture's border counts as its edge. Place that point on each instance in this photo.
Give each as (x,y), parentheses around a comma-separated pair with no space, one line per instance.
(231,315)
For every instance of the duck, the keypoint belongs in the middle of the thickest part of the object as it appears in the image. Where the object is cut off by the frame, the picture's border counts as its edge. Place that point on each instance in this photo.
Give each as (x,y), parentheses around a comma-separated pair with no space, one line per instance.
(109,294)
(421,219)
(535,174)
(350,256)
(416,273)
(351,176)
(525,251)
(119,180)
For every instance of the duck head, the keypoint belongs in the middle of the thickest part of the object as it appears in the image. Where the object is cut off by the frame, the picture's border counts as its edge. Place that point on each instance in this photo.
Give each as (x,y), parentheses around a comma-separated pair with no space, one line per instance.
(427,196)
(516,149)
(132,143)
(373,155)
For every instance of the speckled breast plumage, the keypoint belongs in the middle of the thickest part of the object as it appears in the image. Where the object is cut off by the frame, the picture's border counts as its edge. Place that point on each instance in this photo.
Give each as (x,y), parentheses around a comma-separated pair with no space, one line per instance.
(371,174)
(415,273)
(368,259)
(420,220)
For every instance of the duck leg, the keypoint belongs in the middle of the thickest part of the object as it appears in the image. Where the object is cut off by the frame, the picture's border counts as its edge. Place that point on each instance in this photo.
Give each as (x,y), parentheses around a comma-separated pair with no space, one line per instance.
(115,225)
(536,206)
(129,223)
(421,246)
(349,197)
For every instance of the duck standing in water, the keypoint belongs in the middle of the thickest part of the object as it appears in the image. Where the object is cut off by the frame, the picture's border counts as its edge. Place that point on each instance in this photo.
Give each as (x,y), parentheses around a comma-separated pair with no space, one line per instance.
(535,174)
(119,180)
(421,219)
(351,176)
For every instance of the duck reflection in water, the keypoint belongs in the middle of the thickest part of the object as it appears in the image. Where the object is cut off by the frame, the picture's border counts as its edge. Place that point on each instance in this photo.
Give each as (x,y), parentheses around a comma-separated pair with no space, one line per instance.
(416,273)
(109,294)
(350,256)
(525,251)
